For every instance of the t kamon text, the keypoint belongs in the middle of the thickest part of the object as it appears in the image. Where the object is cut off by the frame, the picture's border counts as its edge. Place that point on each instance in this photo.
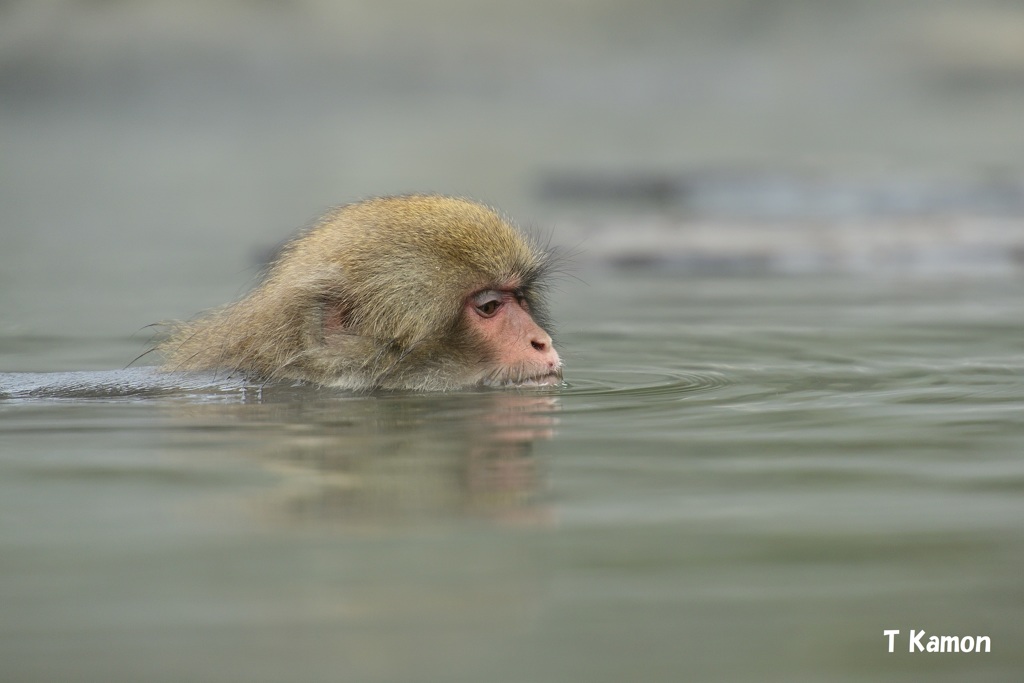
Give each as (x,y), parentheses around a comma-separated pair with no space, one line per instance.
(917,642)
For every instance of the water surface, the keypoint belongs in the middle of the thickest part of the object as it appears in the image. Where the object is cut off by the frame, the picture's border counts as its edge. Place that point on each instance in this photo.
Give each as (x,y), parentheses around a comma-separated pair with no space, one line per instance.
(746,479)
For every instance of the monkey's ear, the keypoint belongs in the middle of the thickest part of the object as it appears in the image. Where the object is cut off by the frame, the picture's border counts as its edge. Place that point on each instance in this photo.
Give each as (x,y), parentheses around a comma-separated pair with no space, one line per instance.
(334,318)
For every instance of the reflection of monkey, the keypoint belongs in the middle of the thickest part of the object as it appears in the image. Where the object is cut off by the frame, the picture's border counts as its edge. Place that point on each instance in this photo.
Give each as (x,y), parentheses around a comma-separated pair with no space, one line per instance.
(414,459)
(416,292)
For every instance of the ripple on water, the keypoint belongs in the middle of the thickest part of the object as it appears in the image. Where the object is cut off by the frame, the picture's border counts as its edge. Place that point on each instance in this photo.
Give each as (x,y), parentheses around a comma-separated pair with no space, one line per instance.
(618,389)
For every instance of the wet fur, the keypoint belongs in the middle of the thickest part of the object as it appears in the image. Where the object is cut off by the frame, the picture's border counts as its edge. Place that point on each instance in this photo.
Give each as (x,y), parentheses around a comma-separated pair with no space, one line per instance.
(371,297)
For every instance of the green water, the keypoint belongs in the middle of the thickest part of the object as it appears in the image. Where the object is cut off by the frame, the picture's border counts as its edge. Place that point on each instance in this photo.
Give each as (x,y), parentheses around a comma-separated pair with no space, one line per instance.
(746,479)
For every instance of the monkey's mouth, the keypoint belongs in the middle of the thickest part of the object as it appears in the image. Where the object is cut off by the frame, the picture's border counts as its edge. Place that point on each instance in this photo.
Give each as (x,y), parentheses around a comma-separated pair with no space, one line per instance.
(547,379)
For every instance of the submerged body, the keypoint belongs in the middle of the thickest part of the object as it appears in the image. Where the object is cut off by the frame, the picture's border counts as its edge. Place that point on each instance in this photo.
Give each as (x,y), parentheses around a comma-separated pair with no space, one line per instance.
(418,292)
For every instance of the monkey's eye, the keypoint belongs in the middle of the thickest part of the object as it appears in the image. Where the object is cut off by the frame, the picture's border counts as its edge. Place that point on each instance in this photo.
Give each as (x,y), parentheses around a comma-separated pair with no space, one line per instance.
(487,303)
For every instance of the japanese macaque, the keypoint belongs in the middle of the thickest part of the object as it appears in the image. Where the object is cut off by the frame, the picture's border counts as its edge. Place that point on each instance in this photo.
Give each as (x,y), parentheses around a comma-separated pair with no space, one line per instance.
(419,292)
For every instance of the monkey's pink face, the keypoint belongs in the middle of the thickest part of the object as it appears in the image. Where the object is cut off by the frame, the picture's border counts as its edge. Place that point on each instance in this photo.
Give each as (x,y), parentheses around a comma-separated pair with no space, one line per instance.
(519,350)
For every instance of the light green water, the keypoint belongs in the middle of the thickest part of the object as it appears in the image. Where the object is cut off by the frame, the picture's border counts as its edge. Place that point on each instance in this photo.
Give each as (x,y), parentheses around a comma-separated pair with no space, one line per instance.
(747,479)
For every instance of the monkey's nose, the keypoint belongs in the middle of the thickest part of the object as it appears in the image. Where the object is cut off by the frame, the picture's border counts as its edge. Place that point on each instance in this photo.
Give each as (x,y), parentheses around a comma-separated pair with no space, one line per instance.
(542,344)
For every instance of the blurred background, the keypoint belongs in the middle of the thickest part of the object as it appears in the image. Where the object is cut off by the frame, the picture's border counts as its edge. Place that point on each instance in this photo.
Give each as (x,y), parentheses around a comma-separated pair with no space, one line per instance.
(793,343)
(152,152)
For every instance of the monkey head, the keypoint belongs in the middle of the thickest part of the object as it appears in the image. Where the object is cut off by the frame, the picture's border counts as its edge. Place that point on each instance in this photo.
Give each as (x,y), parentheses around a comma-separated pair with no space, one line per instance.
(416,292)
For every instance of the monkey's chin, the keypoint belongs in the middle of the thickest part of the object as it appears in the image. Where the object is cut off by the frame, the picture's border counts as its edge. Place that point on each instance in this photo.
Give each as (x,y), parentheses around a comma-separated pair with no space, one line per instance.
(548,379)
